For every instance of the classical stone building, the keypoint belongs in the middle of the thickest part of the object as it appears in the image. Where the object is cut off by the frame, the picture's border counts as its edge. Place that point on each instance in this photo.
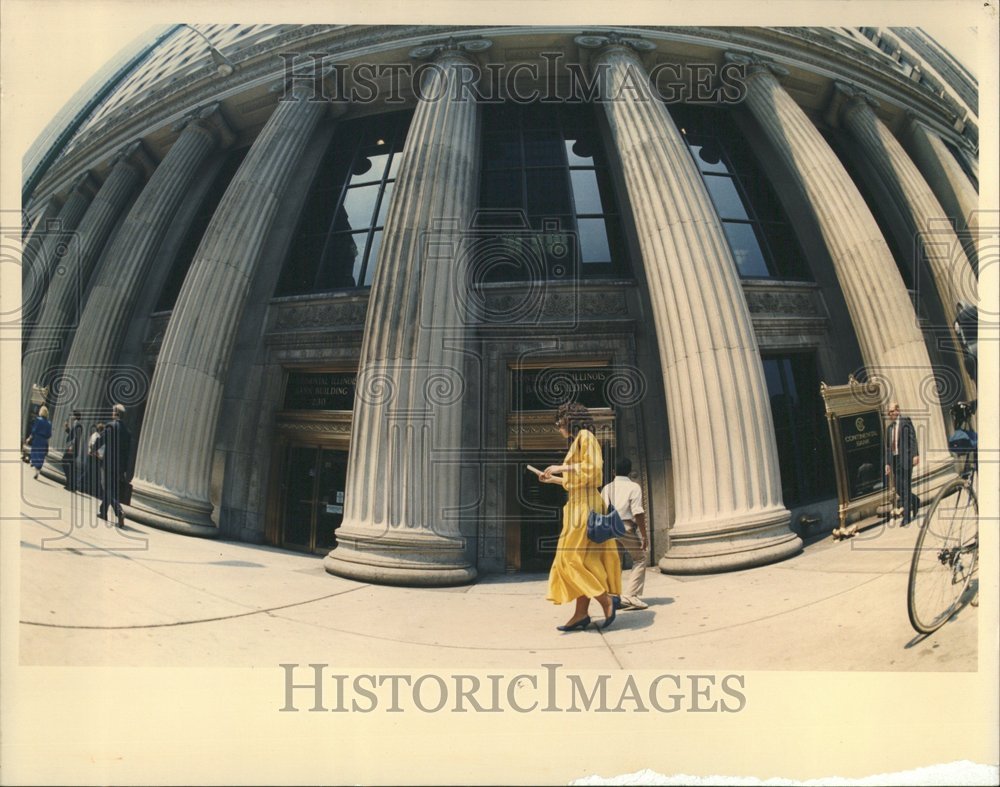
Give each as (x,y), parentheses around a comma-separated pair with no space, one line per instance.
(341,276)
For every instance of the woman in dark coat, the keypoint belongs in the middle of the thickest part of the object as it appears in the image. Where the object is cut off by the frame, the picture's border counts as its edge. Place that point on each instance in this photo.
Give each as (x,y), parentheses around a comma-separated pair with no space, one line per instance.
(41,431)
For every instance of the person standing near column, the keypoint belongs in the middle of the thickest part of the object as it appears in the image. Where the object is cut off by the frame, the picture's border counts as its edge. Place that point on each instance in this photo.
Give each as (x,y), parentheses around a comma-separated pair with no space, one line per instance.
(626,496)
(92,474)
(71,458)
(901,456)
(116,441)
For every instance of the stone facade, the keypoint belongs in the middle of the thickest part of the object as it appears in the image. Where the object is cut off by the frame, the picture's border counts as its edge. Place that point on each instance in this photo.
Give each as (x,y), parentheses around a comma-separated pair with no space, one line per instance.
(424,468)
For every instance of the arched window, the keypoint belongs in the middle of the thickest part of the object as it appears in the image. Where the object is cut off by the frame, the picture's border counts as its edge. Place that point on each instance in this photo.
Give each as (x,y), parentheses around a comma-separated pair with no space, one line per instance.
(545,182)
(337,241)
(755,223)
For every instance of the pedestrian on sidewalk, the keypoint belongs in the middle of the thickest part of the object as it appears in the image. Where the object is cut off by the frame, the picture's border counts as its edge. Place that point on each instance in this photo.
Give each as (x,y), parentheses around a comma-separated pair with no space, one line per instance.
(626,496)
(581,570)
(116,441)
(41,431)
(94,469)
(901,456)
(72,456)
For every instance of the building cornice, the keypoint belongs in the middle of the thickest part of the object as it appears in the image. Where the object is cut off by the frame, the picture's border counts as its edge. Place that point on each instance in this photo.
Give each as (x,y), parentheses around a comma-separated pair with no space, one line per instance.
(817,51)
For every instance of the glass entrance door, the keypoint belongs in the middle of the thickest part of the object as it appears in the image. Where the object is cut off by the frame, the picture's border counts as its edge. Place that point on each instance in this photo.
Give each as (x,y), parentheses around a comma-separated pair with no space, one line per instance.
(536,516)
(313,491)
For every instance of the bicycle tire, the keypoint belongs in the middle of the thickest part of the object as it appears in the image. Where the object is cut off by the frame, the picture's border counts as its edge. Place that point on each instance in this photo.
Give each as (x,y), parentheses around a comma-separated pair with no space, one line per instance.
(944,557)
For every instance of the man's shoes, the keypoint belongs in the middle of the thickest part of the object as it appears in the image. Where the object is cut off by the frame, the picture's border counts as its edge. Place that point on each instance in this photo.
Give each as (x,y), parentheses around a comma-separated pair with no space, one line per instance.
(102,516)
(637,603)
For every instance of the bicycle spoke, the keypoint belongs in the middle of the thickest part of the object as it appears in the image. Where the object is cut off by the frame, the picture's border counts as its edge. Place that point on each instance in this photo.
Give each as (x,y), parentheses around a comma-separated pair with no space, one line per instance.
(944,557)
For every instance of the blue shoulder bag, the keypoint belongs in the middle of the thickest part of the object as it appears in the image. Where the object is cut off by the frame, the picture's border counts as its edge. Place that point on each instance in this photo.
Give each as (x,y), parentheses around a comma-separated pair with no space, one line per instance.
(604,527)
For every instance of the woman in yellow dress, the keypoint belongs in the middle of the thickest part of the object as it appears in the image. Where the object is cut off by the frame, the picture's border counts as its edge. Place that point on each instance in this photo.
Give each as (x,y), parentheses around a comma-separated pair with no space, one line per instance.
(582,570)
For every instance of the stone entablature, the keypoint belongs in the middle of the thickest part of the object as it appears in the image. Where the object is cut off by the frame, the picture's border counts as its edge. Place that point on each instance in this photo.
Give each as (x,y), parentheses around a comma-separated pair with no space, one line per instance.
(813,50)
(309,313)
(766,298)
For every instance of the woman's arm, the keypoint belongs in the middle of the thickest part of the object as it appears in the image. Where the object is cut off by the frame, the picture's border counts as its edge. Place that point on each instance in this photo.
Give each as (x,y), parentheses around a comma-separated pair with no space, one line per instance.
(552,470)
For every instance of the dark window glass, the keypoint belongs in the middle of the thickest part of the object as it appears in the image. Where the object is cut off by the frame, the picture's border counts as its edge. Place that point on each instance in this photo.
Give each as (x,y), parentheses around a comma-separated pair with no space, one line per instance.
(758,230)
(544,174)
(800,429)
(337,241)
(962,162)
(728,202)
(196,231)
(746,249)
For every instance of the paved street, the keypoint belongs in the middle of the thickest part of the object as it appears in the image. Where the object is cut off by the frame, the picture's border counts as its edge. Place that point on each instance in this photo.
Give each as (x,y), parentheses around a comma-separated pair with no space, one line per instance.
(91,595)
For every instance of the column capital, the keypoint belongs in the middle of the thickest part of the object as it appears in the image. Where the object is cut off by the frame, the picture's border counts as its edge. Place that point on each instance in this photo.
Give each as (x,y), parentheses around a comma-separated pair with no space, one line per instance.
(209,120)
(135,155)
(755,65)
(612,39)
(913,126)
(845,100)
(304,85)
(85,184)
(463,48)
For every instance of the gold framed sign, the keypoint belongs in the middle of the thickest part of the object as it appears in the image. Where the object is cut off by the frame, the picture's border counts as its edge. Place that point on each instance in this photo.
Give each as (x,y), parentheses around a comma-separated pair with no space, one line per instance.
(854,416)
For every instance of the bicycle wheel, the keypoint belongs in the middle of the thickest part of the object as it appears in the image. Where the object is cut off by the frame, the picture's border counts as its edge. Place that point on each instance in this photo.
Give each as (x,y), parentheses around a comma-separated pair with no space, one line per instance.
(944,557)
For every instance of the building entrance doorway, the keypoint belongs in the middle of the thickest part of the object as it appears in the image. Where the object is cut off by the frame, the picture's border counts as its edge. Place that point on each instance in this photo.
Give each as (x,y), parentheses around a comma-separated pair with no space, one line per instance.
(536,509)
(313,497)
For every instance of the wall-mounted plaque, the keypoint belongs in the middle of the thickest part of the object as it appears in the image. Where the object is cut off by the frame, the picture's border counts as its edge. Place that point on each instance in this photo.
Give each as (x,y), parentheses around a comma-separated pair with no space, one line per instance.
(546,389)
(320,390)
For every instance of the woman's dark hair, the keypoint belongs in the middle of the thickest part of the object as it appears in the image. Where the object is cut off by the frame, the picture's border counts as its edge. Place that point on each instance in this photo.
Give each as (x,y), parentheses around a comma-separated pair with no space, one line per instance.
(574,416)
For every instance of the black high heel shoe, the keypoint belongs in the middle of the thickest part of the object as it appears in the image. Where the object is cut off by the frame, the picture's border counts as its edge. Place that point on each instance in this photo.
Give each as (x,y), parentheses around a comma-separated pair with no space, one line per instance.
(580,625)
(615,605)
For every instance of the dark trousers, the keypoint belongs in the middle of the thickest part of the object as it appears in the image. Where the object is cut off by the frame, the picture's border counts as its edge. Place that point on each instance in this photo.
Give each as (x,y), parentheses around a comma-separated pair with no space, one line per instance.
(109,496)
(903,473)
(69,470)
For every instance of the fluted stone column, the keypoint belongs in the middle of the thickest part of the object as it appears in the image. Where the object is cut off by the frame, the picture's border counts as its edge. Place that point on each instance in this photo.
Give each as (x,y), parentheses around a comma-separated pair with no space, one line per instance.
(50,244)
(891,343)
(123,270)
(171,483)
(727,483)
(62,305)
(31,240)
(403,487)
(948,181)
(953,276)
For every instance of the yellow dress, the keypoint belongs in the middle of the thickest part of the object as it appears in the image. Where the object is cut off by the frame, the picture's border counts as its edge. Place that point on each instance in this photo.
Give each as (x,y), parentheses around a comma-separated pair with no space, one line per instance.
(581,567)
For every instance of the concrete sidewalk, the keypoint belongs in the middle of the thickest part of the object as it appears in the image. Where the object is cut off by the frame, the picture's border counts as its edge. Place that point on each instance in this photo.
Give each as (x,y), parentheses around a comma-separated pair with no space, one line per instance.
(94,595)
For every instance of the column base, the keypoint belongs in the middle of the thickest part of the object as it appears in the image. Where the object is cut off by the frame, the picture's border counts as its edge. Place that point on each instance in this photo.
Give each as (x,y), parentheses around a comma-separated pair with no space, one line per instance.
(52,471)
(157,508)
(712,549)
(400,557)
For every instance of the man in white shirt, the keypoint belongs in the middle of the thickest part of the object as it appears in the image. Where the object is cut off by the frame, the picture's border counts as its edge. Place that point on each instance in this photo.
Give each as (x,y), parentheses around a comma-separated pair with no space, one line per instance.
(626,496)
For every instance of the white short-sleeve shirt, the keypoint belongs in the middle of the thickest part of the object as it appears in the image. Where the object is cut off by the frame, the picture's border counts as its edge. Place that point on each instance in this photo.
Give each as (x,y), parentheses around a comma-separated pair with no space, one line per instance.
(625,495)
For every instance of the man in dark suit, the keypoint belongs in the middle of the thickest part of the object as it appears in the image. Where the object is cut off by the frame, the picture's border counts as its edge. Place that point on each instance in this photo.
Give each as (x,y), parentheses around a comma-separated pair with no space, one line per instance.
(116,441)
(72,451)
(901,456)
